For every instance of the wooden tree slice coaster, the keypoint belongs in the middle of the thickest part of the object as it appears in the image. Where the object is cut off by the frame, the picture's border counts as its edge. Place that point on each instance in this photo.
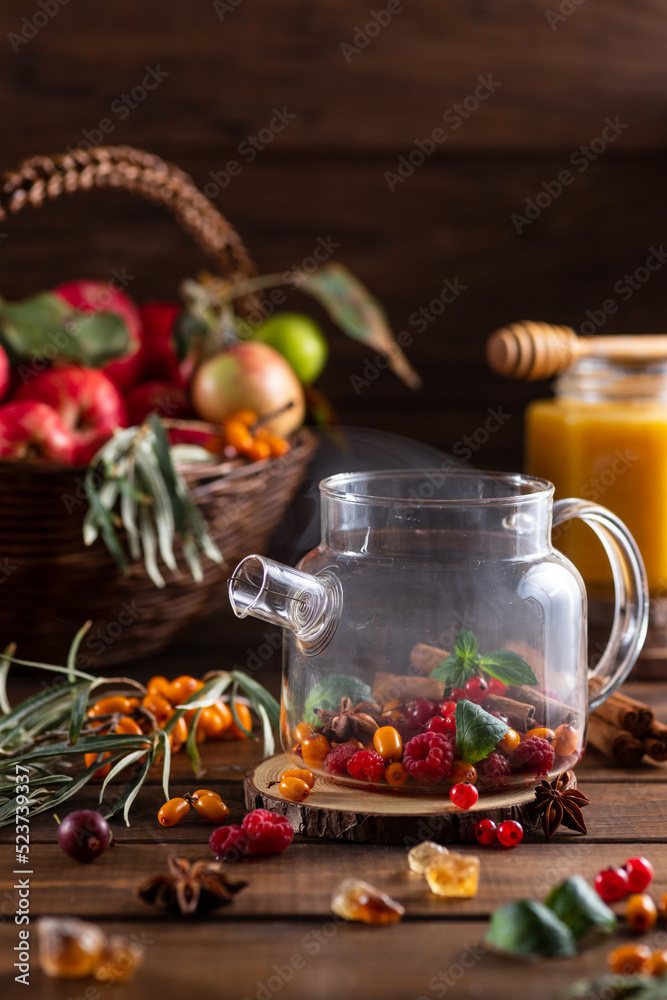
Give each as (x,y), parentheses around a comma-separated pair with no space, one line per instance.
(380,816)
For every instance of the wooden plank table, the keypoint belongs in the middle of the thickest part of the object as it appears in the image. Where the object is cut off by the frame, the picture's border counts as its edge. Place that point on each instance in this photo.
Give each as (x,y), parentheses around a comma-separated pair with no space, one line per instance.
(280,939)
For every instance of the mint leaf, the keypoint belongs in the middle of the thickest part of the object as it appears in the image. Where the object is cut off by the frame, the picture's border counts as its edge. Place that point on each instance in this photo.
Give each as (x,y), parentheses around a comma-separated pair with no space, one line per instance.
(477,732)
(578,905)
(530,930)
(328,692)
(465,645)
(508,667)
(453,671)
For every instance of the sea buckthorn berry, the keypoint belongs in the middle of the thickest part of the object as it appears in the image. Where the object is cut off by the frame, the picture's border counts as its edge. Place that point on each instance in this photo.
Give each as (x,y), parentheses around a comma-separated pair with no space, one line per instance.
(247,417)
(497,687)
(662,907)
(313,750)
(486,831)
(611,884)
(463,795)
(437,724)
(179,735)
(463,770)
(111,705)
(204,791)
(237,434)
(245,718)
(258,451)
(173,811)
(128,726)
(158,685)
(509,742)
(658,963)
(301,731)
(182,688)
(476,690)
(211,807)
(158,706)
(388,743)
(641,912)
(566,740)
(279,446)
(299,772)
(447,708)
(395,774)
(542,732)
(510,833)
(639,872)
(219,720)
(294,789)
(630,959)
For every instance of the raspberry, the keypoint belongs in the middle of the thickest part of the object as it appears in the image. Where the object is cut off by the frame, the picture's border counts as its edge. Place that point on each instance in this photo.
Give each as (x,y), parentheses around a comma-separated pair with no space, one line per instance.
(428,756)
(228,843)
(494,771)
(367,765)
(267,833)
(533,756)
(337,759)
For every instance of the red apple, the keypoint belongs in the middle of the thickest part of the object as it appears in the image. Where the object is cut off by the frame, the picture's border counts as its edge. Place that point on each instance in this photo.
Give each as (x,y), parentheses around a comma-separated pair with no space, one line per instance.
(5,373)
(97,296)
(249,376)
(161,362)
(88,402)
(164,398)
(30,429)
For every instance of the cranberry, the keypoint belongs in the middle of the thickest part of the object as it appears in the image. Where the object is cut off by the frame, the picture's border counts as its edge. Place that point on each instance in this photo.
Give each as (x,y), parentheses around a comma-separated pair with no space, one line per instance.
(486,831)
(476,690)
(84,834)
(611,884)
(639,872)
(463,795)
(497,687)
(510,833)
(419,711)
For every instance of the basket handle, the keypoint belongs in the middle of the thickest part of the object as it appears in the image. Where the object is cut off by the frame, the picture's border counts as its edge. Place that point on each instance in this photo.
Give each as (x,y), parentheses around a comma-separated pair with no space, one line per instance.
(42,177)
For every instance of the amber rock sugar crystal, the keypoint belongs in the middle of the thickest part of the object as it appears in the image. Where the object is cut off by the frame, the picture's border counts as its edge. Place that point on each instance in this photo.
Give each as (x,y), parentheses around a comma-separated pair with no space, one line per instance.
(357,900)
(421,855)
(454,875)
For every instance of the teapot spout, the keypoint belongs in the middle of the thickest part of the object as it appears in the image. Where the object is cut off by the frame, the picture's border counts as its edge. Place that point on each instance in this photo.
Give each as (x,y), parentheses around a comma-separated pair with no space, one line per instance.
(309,606)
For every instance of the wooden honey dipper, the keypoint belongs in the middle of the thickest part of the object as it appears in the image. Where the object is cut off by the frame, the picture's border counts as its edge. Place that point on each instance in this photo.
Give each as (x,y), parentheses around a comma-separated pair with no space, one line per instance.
(529,350)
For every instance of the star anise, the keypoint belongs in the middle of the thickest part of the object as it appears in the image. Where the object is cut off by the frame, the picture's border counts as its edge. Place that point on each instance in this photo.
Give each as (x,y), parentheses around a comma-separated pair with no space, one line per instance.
(558,803)
(190,887)
(350,722)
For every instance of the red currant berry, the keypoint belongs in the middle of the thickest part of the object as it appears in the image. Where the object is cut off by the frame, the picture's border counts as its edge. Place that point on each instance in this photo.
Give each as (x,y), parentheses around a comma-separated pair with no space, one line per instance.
(486,831)
(436,724)
(456,693)
(476,690)
(463,795)
(510,833)
(496,686)
(450,723)
(447,708)
(419,711)
(611,884)
(639,872)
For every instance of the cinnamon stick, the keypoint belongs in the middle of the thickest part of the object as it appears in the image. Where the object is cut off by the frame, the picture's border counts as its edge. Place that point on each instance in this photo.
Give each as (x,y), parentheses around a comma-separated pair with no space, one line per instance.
(614,742)
(548,711)
(626,713)
(520,714)
(400,687)
(655,741)
(426,658)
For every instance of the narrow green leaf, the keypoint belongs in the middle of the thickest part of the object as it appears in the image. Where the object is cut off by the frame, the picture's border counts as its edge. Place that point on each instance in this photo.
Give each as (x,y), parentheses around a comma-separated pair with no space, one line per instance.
(508,667)
(161,446)
(150,549)
(40,701)
(124,762)
(267,731)
(530,930)
(163,740)
(192,559)
(161,507)
(102,520)
(477,732)
(74,649)
(191,747)
(78,713)
(5,664)
(258,695)
(235,715)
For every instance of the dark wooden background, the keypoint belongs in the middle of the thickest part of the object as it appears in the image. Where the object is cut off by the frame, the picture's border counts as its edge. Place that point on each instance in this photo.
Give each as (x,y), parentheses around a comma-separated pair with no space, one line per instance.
(324,174)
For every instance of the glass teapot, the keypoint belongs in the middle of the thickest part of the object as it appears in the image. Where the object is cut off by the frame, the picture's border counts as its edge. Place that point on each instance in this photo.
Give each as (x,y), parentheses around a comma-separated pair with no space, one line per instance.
(435,636)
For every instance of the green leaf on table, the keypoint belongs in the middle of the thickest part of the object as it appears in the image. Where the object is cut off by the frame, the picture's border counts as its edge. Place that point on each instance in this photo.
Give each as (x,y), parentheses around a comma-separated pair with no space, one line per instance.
(463,663)
(328,692)
(530,930)
(477,732)
(353,308)
(614,987)
(508,667)
(578,905)
(96,338)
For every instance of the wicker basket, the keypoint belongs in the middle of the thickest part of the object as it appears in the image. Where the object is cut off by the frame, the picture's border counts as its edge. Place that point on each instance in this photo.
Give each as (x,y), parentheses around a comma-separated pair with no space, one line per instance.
(51,581)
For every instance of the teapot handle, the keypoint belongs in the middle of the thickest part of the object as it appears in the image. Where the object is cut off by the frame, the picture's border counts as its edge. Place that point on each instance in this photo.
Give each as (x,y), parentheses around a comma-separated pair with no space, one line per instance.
(631,603)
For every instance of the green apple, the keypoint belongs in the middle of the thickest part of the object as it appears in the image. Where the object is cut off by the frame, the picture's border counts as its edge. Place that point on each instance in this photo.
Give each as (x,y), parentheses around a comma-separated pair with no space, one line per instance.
(300,341)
